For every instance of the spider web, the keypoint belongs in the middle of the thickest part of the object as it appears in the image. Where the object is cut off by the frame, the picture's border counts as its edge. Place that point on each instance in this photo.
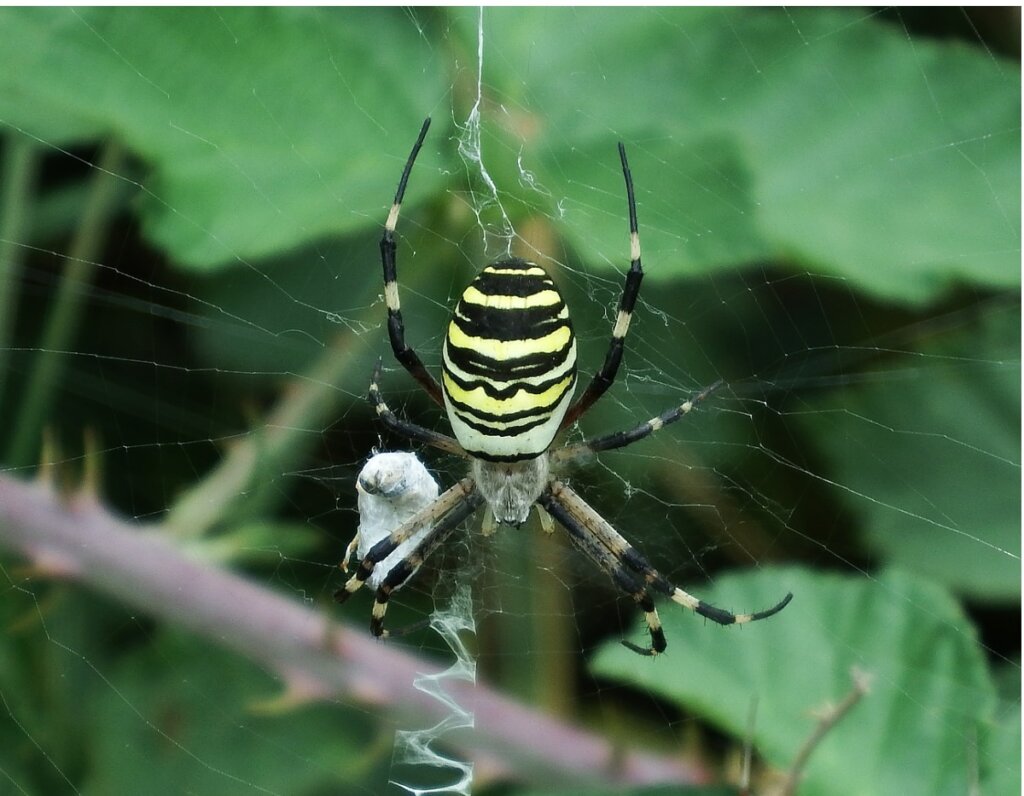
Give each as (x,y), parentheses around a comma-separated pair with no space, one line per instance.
(192,306)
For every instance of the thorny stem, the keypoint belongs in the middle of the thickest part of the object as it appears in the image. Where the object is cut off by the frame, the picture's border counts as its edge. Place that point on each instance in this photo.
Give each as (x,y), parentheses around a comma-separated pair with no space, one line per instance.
(832,716)
(315,657)
(63,317)
(18,174)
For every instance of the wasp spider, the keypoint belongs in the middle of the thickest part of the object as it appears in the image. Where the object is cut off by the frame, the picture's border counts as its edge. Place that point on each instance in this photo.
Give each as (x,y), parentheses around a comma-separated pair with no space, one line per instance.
(507,378)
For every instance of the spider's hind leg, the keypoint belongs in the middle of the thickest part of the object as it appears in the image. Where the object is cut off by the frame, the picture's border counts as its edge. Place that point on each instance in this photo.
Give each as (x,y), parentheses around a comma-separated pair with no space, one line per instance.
(600,554)
(627,583)
(630,571)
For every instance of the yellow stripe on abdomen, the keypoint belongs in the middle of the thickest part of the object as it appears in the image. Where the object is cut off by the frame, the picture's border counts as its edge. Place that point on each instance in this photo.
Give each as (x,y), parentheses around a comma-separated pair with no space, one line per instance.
(508,350)
(509,363)
(478,401)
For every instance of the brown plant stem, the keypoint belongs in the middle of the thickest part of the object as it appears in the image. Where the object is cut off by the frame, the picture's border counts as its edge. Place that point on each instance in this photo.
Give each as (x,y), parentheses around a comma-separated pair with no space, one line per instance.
(831,716)
(316,658)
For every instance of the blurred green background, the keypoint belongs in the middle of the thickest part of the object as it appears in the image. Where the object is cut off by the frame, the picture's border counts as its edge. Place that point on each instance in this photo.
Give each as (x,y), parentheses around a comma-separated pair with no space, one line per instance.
(829,206)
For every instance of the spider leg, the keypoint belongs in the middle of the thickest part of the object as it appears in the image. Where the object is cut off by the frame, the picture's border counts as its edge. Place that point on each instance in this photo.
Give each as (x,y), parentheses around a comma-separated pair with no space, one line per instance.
(405,428)
(352,547)
(450,503)
(594,548)
(627,564)
(396,326)
(620,439)
(407,567)
(604,378)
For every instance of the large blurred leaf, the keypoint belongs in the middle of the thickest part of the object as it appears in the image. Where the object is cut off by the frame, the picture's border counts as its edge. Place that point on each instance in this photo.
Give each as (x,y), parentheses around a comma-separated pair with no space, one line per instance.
(929,459)
(823,136)
(931,698)
(263,127)
(698,205)
(1002,773)
(819,135)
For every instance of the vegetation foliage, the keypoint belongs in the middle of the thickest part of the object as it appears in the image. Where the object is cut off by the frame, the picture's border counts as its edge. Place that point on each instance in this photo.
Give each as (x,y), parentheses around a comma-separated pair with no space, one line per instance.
(829,206)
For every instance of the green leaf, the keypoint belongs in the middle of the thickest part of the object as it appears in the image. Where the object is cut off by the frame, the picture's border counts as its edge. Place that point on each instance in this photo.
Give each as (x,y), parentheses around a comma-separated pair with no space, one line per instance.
(929,460)
(821,136)
(262,128)
(703,214)
(1001,773)
(931,695)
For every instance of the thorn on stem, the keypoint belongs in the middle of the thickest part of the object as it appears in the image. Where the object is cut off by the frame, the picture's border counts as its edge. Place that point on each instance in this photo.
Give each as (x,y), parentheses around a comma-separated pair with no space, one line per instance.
(89,488)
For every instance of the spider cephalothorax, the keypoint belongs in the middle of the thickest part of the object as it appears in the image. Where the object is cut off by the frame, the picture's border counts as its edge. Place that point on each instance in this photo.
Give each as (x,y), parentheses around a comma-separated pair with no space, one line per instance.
(508,372)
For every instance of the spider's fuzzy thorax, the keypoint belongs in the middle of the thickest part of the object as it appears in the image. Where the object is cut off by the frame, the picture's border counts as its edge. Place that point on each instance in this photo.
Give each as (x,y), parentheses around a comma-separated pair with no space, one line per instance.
(511,488)
(509,363)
